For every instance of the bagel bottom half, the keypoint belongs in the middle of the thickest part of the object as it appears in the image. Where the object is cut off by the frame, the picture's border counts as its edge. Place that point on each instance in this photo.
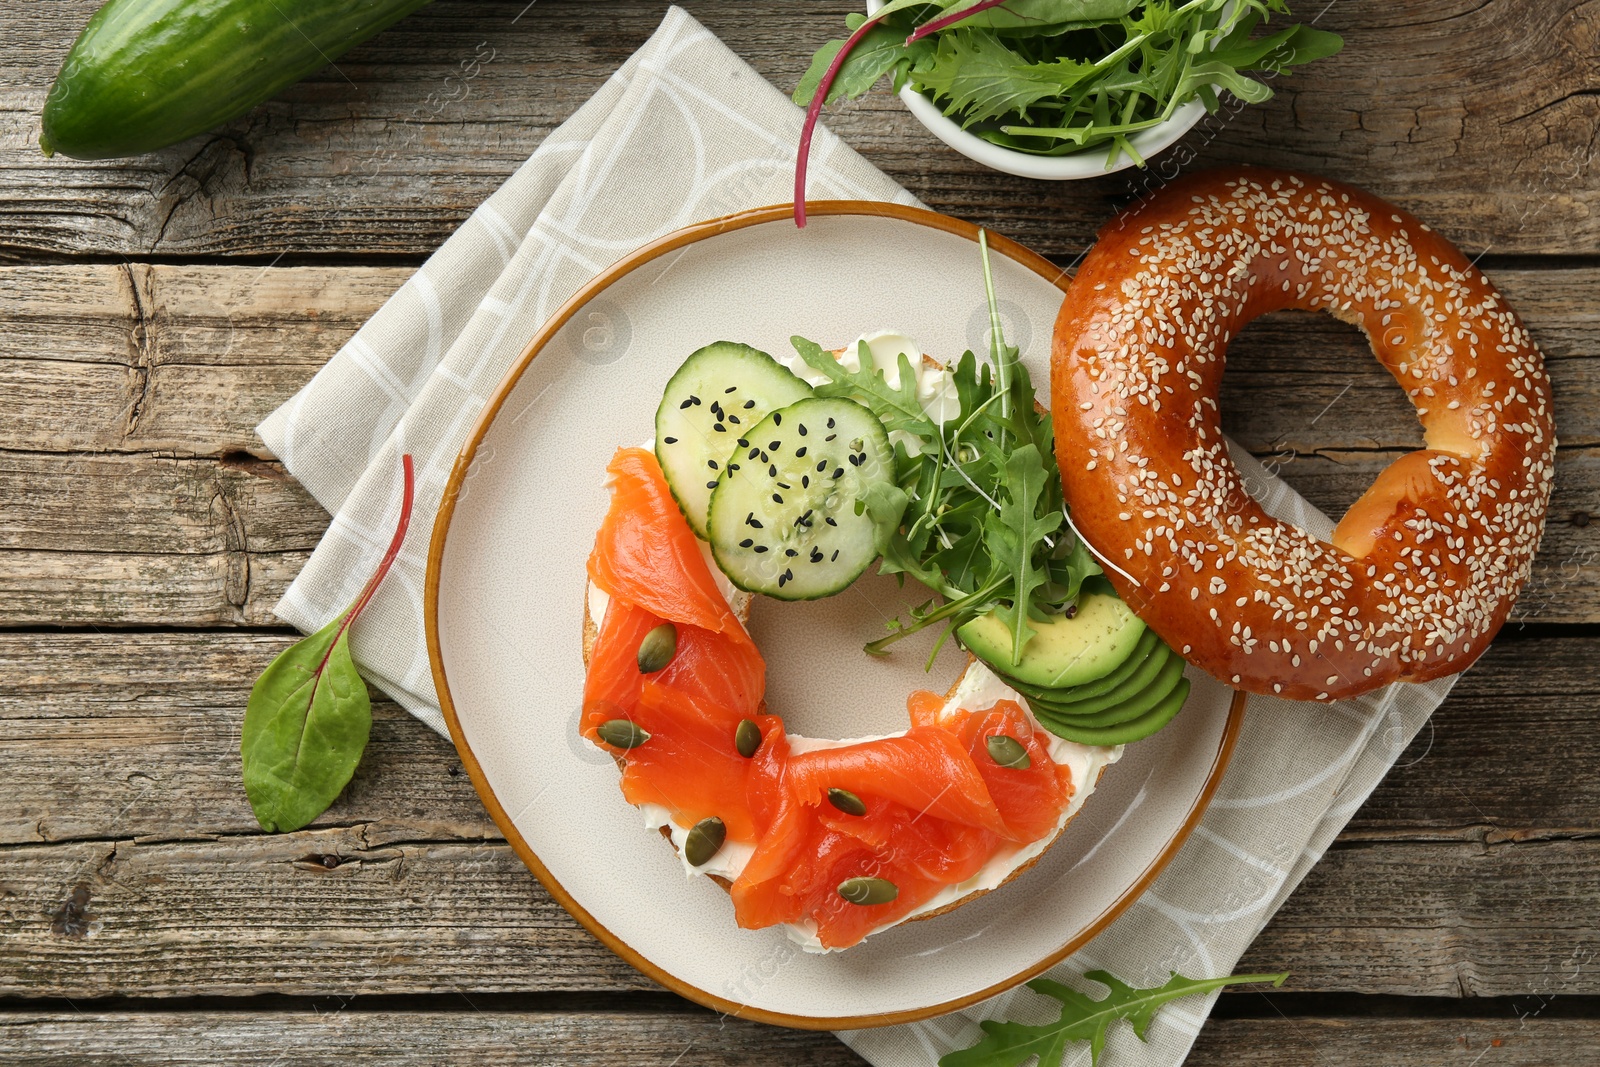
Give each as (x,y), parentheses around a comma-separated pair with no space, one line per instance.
(741,603)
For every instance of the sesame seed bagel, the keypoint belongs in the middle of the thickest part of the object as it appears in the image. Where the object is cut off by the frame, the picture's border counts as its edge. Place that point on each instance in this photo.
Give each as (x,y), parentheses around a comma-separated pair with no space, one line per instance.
(1423,569)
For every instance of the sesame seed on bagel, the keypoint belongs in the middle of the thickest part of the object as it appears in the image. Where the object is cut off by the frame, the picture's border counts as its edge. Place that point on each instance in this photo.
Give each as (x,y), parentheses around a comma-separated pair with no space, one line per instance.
(1423,569)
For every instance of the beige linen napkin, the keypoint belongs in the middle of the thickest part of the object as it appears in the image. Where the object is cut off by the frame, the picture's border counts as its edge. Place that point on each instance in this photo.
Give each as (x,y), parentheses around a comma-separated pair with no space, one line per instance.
(684,131)
(1299,772)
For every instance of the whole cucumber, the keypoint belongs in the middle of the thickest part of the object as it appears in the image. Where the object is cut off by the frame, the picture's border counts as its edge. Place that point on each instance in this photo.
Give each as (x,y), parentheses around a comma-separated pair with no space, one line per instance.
(145,74)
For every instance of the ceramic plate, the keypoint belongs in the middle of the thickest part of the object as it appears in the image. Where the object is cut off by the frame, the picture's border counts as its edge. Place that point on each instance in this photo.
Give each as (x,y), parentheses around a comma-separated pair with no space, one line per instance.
(505,607)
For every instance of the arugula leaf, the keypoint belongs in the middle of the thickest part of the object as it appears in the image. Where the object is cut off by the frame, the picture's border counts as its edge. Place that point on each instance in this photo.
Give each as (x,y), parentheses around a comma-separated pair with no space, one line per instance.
(309,714)
(1053,77)
(1243,86)
(1277,52)
(1008,1044)
(980,78)
(896,406)
(885,503)
(1020,532)
(1069,567)
(1033,17)
(979,497)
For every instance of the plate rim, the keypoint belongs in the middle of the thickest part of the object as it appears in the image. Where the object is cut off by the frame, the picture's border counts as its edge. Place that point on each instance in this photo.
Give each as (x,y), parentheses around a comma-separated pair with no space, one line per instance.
(671,242)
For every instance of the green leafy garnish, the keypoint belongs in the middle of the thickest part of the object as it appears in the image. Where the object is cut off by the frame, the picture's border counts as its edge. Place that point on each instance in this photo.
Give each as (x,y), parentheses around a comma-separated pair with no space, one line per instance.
(979,77)
(1015,531)
(978,498)
(1008,1044)
(1052,77)
(309,713)
(896,406)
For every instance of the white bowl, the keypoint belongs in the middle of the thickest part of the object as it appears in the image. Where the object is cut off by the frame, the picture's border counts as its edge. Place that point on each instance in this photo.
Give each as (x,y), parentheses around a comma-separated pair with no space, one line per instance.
(1088,163)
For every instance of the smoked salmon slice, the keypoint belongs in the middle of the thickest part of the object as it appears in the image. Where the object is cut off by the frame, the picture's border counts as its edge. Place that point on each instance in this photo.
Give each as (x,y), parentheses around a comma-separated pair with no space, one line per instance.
(1030,799)
(691,710)
(646,553)
(720,670)
(924,707)
(689,766)
(931,849)
(611,688)
(938,806)
(926,769)
(710,670)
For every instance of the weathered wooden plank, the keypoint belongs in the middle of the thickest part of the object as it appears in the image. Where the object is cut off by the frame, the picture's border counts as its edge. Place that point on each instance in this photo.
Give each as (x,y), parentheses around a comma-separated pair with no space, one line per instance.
(318,912)
(187,359)
(128,840)
(1521,1038)
(1503,758)
(326,911)
(117,502)
(1440,920)
(334,1035)
(134,539)
(137,738)
(45,588)
(139,539)
(1476,115)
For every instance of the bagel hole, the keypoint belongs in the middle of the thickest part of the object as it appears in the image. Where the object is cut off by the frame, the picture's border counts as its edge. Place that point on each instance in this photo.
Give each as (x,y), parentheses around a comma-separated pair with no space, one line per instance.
(1304,392)
(820,680)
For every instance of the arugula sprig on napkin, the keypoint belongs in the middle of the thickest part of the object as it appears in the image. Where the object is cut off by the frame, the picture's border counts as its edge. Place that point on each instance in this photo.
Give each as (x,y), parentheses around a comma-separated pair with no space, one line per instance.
(977,497)
(1008,1044)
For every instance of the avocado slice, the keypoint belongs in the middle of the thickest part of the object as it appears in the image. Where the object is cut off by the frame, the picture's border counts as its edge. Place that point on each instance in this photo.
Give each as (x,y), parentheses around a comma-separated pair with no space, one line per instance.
(1063,651)
(1146,646)
(1124,733)
(1109,710)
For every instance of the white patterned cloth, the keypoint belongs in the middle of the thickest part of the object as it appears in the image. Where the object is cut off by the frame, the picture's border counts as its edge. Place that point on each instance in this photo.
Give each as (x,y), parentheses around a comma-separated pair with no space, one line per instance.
(684,131)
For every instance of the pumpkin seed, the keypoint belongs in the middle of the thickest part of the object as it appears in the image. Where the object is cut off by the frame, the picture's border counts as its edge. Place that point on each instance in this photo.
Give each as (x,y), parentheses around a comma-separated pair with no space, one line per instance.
(868,891)
(704,841)
(656,650)
(622,733)
(846,802)
(747,738)
(1008,752)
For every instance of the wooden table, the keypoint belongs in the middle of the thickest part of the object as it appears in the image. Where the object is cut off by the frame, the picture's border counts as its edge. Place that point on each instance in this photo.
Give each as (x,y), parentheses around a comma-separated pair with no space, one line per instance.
(155,309)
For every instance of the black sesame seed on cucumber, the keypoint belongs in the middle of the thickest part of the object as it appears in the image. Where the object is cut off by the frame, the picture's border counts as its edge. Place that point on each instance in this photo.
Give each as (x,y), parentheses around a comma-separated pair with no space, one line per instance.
(789,516)
(713,401)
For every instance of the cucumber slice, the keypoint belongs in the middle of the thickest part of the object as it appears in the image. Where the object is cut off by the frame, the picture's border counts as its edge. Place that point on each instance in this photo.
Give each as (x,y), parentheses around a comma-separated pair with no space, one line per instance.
(784,517)
(719,394)
(1127,732)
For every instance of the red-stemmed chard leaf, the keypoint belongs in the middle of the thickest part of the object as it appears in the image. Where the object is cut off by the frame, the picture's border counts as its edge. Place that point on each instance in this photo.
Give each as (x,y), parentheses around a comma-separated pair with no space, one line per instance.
(814,108)
(943,21)
(309,713)
(814,111)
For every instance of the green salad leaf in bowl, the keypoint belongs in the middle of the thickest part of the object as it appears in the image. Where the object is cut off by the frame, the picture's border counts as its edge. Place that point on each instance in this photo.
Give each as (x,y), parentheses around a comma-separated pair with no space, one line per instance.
(1057,77)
